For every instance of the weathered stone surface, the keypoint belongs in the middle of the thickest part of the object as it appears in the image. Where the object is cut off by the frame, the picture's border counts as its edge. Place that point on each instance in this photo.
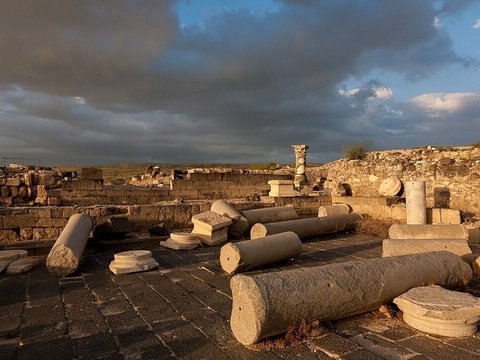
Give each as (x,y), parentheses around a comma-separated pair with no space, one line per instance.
(119,269)
(307,228)
(210,237)
(132,261)
(269,215)
(175,245)
(439,311)
(22,265)
(65,255)
(185,238)
(12,255)
(90,173)
(334,210)
(416,202)
(267,304)
(250,254)
(476,266)
(4,264)
(210,220)
(281,188)
(300,164)
(439,231)
(133,255)
(240,223)
(13,182)
(396,247)
(391,186)
(8,236)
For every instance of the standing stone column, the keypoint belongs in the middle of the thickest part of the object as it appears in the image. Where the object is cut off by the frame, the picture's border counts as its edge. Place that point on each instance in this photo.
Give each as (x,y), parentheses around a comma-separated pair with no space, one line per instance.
(300,165)
(416,199)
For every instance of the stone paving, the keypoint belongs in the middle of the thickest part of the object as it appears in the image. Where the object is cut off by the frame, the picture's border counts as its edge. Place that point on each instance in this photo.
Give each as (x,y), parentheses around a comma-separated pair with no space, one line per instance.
(181,311)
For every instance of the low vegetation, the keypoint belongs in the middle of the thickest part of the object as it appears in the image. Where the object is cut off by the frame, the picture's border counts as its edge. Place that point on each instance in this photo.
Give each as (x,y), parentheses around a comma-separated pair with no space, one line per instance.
(374,227)
(356,151)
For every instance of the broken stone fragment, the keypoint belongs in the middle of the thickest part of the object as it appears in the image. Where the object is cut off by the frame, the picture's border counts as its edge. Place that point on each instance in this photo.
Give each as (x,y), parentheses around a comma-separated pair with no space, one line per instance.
(396,247)
(437,231)
(240,223)
(267,304)
(269,215)
(22,265)
(12,255)
(435,310)
(250,254)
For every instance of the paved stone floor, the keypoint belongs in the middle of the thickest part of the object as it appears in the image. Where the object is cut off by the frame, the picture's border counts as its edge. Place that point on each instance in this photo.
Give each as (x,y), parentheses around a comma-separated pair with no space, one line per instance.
(181,310)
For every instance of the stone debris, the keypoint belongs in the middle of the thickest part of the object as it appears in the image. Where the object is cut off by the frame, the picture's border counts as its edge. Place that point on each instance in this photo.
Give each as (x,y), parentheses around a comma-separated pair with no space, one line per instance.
(334,210)
(4,264)
(281,188)
(240,223)
(396,247)
(437,231)
(23,265)
(267,304)
(438,311)
(250,254)
(132,261)
(309,227)
(391,186)
(65,255)
(12,255)
(210,227)
(416,202)
(181,241)
(270,214)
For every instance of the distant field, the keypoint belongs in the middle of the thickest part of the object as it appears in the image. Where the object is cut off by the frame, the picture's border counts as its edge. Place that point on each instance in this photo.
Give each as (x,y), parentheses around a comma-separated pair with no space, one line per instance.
(126,171)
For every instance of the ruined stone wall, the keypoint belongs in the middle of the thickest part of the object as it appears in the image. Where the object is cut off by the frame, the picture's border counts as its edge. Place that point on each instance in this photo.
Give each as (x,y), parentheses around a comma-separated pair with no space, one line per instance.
(452,175)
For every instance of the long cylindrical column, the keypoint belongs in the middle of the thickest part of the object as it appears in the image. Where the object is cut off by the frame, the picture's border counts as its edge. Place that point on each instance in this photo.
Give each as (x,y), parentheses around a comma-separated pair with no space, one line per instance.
(240,223)
(269,215)
(396,247)
(308,228)
(300,165)
(440,231)
(267,304)
(250,254)
(416,201)
(334,210)
(67,251)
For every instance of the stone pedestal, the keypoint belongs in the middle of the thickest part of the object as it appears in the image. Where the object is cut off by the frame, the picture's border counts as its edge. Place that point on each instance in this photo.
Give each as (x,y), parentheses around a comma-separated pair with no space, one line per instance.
(416,199)
(210,227)
(300,165)
(281,188)
(267,304)
(132,261)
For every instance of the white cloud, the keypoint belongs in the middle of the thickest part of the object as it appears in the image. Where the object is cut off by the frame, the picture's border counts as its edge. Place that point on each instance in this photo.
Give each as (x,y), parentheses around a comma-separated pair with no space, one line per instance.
(477,24)
(445,102)
(437,23)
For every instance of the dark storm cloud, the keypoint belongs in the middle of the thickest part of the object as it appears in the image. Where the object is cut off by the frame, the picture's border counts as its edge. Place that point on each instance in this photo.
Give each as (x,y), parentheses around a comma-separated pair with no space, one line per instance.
(240,87)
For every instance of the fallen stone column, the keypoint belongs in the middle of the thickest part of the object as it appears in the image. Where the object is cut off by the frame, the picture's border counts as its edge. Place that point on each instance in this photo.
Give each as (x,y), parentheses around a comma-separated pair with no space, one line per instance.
(267,304)
(334,210)
(270,215)
(250,254)
(440,231)
(416,201)
(67,251)
(307,228)
(240,224)
(396,247)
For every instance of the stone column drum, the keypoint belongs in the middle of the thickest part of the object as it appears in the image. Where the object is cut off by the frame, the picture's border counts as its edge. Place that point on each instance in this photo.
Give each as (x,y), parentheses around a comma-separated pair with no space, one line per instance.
(269,215)
(440,231)
(239,225)
(300,164)
(334,210)
(67,251)
(416,200)
(267,304)
(249,254)
(308,228)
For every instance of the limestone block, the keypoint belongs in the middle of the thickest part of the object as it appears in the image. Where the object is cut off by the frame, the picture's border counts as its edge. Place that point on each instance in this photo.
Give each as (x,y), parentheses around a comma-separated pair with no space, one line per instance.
(26,233)
(12,255)
(250,254)
(13,182)
(439,311)
(48,179)
(267,304)
(210,237)
(308,228)
(391,186)
(22,265)
(14,191)
(281,188)
(132,261)
(396,247)
(210,227)
(65,255)
(175,245)
(8,236)
(4,191)
(28,178)
(54,201)
(473,234)
(333,210)
(44,222)
(416,202)
(90,173)
(269,215)
(185,238)
(441,231)
(240,223)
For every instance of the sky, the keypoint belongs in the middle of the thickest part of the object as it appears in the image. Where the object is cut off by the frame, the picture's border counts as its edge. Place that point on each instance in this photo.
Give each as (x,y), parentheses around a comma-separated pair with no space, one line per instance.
(96,82)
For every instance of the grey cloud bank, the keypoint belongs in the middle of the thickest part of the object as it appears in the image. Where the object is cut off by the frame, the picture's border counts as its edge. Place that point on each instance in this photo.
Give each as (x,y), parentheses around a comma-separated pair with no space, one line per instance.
(99,82)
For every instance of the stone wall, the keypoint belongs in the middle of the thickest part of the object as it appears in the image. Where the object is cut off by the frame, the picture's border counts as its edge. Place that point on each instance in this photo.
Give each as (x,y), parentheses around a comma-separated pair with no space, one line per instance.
(452,175)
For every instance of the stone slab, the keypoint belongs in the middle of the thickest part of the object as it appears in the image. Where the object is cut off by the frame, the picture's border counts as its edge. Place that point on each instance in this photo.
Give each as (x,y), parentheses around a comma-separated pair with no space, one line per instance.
(12,254)
(118,270)
(4,264)
(175,245)
(439,311)
(133,255)
(209,237)
(210,220)
(185,238)
(22,265)
(397,247)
